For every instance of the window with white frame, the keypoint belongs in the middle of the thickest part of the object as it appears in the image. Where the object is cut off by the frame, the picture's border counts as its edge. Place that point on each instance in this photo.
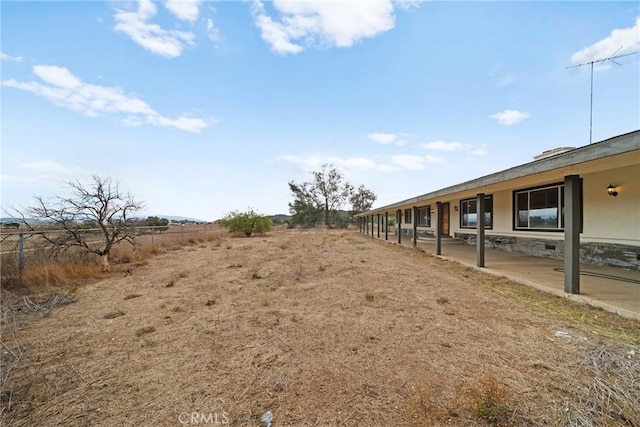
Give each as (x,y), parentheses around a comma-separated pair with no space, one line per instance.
(539,208)
(424,216)
(469,213)
(407,216)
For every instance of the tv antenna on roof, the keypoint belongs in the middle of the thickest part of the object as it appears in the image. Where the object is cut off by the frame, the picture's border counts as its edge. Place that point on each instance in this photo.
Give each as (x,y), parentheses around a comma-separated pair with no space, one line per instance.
(609,58)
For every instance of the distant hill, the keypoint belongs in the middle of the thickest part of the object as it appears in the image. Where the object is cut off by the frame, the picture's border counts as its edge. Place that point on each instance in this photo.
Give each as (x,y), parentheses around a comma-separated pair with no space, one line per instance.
(279,218)
(179,218)
(11,219)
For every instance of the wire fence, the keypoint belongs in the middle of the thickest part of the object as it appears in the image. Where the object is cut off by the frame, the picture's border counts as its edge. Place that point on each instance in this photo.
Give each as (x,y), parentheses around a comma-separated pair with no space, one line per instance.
(21,249)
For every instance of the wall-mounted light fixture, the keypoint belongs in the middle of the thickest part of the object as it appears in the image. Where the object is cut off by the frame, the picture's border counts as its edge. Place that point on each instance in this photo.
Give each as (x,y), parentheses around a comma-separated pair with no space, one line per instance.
(612,190)
(455,208)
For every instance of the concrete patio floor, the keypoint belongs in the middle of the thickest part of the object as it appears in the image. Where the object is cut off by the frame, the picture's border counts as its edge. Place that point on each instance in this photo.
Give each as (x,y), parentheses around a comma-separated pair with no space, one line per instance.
(611,289)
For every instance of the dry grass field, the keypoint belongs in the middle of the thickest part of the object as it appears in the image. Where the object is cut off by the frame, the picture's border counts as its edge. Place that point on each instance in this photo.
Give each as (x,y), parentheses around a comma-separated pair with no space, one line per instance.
(322,328)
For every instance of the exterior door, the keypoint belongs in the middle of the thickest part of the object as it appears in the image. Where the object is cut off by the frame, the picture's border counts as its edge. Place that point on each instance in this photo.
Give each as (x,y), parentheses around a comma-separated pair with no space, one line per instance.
(444,219)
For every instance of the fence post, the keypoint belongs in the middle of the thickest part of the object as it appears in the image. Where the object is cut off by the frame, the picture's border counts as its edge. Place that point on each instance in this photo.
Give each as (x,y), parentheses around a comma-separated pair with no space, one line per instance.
(21,253)
(151,236)
(182,238)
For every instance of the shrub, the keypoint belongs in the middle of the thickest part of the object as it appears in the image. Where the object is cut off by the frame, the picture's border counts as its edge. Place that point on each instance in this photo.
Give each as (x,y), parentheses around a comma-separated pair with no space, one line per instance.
(248,222)
(489,400)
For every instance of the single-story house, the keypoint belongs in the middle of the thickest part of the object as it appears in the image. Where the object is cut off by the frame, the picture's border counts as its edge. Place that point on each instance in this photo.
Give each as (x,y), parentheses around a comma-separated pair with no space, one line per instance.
(581,205)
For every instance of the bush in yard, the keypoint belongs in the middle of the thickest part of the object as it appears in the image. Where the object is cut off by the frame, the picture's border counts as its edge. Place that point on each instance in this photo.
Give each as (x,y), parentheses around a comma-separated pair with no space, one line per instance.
(248,222)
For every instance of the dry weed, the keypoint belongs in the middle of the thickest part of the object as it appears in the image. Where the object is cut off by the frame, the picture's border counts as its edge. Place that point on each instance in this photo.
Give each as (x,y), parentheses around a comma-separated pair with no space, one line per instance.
(285,245)
(421,409)
(613,394)
(489,400)
(451,310)
(442,300)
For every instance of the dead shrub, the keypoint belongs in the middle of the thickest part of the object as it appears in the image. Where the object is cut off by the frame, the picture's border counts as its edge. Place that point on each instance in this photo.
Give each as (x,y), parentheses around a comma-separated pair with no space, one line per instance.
(451,311)
(489,400)
(421,409)
(285,245)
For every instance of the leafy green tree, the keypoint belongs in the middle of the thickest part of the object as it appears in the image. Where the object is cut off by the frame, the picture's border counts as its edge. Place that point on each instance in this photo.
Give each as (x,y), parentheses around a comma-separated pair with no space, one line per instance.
(161,224)
(325,193)
(362,199)
(305,208)
(248,222)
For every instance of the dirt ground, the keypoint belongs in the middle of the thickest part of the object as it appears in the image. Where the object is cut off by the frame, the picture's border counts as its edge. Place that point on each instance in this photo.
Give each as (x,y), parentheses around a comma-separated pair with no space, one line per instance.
(322,328)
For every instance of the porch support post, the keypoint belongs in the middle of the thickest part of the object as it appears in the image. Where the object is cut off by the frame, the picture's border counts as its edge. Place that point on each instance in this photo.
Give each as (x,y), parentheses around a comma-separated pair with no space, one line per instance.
(371,225)
(480,229)
(386,226)
(366,222)
(378,226)
(572,217)
(414,218)
(399,225)
(438,228)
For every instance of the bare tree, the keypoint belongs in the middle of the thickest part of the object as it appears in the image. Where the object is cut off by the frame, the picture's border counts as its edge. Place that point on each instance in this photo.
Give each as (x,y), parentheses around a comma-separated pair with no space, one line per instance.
(100,204)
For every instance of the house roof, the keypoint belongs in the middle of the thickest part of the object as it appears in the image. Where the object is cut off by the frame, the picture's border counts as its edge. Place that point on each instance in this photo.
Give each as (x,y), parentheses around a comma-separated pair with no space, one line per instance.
(609,147)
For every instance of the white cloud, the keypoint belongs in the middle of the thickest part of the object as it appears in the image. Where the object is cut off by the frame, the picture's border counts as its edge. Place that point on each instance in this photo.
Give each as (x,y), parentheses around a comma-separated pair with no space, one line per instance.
(413,162)
(503,78)
(65,89)
(6,57)
(454,146)
(386,168)
(388,138)
(481,151)
(506,80)
(443,145)
(42,172)
(212,32)
(167,43)
(313,162)
(57,76)
(187,10)
(398,162)
(509,117)
(301,24)
(408,4)
(619,42)
(186,123)
(407,161)
(46,166)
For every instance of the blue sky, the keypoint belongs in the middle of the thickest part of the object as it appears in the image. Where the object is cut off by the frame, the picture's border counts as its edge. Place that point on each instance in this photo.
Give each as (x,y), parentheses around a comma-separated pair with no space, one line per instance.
(203,107)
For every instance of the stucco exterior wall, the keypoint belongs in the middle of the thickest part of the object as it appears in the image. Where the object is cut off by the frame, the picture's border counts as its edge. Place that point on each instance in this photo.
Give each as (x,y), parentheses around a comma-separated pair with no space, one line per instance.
(611,225)
(612,219)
